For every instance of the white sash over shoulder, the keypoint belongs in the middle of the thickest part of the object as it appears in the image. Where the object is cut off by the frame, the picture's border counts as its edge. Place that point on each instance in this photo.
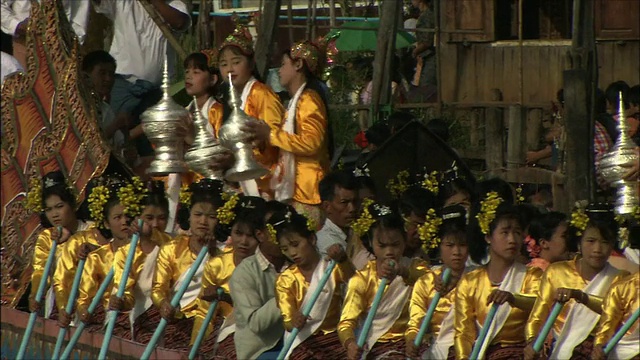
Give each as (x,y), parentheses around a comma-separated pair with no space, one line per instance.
(284,177)
(512,283)
(193,290)
(580,319)
(142,290)
(391,305)
(249,187)
(319,310)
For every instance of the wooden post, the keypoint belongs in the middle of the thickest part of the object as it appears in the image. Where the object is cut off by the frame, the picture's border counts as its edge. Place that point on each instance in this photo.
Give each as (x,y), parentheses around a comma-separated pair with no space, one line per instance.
(516,142)
(204,31)
(494,129)
(386,33)
(579,92)
(534,127)
(268,25)
(332,14)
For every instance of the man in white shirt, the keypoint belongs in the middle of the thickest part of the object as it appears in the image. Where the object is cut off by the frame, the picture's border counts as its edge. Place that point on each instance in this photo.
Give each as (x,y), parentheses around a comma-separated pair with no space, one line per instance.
(339,196)
(139,48)
(15,18)
(9,66)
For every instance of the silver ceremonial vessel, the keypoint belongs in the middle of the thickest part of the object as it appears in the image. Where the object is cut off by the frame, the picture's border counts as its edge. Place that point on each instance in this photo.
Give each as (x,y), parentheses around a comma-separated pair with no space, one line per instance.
(205,148)
(237,141)
(615,164)
(163,125)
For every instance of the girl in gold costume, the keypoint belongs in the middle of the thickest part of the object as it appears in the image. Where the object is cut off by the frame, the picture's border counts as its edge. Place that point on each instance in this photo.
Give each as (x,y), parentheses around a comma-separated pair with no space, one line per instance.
(384,236)
(243,218)
(236,60)
(451,240)
(503,282)
(112,206)
(78,247)
(304,136)
(137,294)
(56,202)
(317,338)
(198,214)
(579,284)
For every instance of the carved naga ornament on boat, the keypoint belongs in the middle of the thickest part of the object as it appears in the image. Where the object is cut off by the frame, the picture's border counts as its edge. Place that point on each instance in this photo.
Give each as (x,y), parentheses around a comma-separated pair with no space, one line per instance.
(49,123)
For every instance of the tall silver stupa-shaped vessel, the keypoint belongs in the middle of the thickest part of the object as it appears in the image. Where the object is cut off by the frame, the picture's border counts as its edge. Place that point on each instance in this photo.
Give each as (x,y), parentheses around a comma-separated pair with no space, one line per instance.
(205,148)
(615,164)
(237,141)
(163,125)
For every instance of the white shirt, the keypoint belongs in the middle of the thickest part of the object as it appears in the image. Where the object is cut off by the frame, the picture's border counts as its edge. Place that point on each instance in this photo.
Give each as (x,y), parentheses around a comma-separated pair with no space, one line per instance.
(138,45)
(9,66)
(329,235)
(15,11)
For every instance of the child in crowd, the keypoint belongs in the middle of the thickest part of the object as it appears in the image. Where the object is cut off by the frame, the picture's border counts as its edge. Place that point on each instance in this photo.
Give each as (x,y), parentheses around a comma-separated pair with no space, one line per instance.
(317,338)
(384,236)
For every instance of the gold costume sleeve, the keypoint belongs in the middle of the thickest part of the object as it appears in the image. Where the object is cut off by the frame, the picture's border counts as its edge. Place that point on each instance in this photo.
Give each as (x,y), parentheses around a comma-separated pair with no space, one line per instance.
(40,255)
(289,295)
(162,279)
(311,121)
(619,304)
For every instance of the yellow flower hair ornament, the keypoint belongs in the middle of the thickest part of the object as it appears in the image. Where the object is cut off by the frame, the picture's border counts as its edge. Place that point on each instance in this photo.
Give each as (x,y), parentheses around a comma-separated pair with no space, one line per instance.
(273,234)
(226,212)
(519,197)
(430,182)
(579,220)
(185,195)
(429,230)
(131,197)
(34,196)
(487,212)
(364,222)
(97,200)
(398,185)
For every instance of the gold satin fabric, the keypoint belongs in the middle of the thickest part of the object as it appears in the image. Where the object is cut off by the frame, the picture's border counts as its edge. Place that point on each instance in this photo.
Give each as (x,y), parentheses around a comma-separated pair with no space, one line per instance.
(361,291)
(471,309)
(308,144)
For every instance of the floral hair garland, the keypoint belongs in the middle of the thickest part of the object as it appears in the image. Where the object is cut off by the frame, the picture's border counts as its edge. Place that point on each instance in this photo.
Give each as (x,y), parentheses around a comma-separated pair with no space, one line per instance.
(429,230)
(519,197)
(579,219)
(398,185)
(34,196)
(130,195)
(487,212)
(364,222)
(430,182)
(185,195)
(226,212)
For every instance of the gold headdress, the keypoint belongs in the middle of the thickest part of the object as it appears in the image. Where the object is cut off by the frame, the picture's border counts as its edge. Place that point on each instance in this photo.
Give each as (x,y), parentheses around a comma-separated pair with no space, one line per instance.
(212,57)
(310,53)
(487,212)
(240,38)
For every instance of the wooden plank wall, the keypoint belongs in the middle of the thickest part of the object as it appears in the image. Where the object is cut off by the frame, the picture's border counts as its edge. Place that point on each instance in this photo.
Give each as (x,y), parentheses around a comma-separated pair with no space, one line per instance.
(471,71)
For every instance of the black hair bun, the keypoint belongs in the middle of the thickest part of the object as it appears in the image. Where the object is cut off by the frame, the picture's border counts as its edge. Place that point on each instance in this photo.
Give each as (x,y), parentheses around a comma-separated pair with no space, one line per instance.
(155,187)
(454,212)
(207,185)
(53,178)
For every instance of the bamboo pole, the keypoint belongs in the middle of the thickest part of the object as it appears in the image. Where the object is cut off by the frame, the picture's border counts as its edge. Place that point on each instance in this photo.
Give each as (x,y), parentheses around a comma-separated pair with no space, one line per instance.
(314,10)
(332,13)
